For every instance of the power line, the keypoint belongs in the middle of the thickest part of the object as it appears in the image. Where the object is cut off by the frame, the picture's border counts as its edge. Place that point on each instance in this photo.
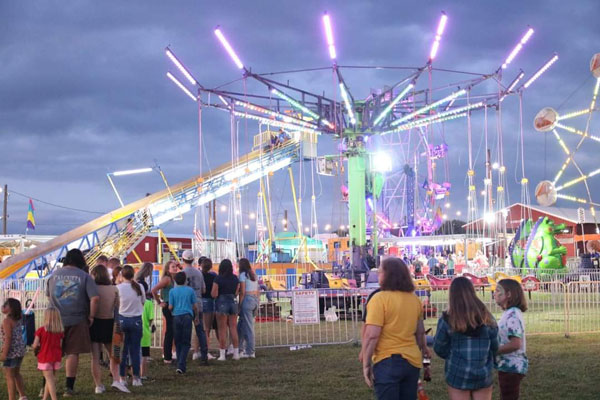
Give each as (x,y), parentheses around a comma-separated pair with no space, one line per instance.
(56,205)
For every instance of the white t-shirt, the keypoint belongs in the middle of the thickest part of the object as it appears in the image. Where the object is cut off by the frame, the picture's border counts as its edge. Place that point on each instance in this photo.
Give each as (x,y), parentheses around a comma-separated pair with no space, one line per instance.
(130,303)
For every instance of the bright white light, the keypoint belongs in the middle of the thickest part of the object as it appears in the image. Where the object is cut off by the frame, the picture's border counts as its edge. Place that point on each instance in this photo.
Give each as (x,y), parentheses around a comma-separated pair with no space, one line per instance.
(483,192)
(307,229)
(226,223)
(342,227)
(329,36)
(246,226)
(447,205)
(495,165)
(445,216)
(315,225)
(489,218)
(284,221)
(381,162)
(327,227)
(223,208)
(180,66)
(438,36)
(132,171)
(458,213)
(346,99)
(228,48)
(237,212)
(541,71)
(181,86)
(252,216)
(517,48)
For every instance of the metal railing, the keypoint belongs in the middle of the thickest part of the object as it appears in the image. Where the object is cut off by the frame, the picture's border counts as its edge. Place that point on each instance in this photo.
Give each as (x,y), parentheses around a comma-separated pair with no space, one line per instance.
(555,307)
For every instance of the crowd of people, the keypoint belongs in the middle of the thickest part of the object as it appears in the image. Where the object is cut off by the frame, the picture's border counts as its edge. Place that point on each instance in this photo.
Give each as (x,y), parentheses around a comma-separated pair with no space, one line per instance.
(468,338)
(108,310)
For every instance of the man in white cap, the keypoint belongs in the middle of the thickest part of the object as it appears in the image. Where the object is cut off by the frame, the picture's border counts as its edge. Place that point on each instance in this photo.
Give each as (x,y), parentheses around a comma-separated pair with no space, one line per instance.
(195,280)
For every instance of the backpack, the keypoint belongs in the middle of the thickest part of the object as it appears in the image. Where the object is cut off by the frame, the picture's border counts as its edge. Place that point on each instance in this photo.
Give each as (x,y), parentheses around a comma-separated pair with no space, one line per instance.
(28,325)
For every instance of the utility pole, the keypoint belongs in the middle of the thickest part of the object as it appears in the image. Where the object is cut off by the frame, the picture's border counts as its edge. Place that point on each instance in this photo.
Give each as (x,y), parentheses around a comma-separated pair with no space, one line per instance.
(5,210)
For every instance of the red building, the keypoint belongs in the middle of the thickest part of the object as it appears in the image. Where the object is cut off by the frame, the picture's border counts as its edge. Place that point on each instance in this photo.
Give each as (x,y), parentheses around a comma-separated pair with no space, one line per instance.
(571,237)
(148,248)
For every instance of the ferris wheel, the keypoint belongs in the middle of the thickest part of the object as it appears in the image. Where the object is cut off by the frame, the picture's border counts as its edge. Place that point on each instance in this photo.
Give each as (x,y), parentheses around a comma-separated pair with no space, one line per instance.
(574,132)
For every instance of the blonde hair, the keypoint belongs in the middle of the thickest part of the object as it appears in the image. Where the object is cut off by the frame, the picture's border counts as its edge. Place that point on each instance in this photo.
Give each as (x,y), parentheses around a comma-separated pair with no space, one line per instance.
(52,320)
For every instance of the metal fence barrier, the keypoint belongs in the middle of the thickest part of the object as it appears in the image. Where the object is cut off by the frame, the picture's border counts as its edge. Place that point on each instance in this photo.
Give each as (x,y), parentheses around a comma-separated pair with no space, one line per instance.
(554,307)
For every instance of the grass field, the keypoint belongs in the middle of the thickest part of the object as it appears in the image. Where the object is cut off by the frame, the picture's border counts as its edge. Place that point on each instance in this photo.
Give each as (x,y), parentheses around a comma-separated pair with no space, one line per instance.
(560,368)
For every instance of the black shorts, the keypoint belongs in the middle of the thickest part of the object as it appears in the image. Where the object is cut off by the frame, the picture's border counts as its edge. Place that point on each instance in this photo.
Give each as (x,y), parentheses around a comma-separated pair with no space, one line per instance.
(145,351)
(101,330)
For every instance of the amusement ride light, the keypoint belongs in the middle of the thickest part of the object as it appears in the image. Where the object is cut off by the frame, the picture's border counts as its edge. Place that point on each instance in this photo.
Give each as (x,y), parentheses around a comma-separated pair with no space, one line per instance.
(132,171)
(228,48)
(517,48)
(595,95)
(285,118)
(300,107)
(425,122)
(346,99)
(541,71)
(392,104)
(429,106)
(180,66)
(578,132)
(181,86)
(329,36)
(269,121)
(512,85)
(381,162)
(438,36)
(574,114)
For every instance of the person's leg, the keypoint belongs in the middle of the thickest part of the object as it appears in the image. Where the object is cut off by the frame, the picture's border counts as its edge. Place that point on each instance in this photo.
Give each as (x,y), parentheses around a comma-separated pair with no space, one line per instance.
(201,334)
(510,385)
(168,339)
(207,321)
(409,380)
(126,329)
(241,328)
(50,388)
(483,394)
(96,371)
(386,380)
(184,344)
(135,348)
(222,324)
(457,394)
(71,365)
(19,381)
(113,365)
(178,333)
(10,383)
(232,322)
(249,315)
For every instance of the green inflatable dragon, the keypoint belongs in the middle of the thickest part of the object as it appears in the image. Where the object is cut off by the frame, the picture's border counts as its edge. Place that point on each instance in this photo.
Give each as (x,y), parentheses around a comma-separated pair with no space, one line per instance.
(535,247)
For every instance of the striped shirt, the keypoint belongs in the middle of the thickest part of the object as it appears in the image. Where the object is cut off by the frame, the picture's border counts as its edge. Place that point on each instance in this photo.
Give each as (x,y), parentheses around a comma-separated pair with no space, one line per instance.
(469,356)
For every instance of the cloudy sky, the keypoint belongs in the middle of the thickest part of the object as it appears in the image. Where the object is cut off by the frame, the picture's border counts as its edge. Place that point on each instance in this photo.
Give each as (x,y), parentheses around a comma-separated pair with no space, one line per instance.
(84,91)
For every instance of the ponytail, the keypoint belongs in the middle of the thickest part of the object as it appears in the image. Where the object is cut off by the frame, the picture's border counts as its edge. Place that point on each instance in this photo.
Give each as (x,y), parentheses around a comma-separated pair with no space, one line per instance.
(127,273)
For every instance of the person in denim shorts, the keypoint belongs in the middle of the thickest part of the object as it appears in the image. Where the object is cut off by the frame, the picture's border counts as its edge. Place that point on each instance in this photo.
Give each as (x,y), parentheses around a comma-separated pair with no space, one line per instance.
(208,303)
(225,289)
(13,347)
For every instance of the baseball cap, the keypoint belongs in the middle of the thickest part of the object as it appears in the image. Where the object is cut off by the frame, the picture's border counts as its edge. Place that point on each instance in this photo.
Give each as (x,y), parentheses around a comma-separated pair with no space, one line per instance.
(188,255)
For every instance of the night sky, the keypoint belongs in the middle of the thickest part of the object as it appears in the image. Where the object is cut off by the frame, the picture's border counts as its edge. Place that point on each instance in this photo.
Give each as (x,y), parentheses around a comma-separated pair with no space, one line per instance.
(84,91)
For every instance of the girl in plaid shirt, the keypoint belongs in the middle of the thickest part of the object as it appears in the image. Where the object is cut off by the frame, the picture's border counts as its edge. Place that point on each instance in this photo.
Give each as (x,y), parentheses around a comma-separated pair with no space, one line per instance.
(467,338)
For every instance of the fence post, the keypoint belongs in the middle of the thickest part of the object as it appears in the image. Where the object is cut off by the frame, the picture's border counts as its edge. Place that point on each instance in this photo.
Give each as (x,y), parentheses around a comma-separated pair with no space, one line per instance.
(566,308)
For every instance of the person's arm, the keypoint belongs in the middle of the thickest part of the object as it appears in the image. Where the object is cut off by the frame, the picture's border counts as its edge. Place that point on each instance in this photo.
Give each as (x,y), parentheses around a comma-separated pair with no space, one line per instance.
(237,289)
(93,308)
(242,289)
(421,340)
(36,343)
(370,338)
(362,335)
(203,283)
(7,328)
(214,293)
(441,342)
(513,344)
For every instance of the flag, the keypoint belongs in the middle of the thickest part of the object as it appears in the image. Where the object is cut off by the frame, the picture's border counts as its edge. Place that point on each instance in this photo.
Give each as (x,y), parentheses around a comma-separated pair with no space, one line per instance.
(30,217)
(198,235)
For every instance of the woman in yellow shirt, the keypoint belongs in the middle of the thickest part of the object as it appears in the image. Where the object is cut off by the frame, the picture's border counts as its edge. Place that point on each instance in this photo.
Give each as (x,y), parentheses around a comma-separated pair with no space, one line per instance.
(393,343)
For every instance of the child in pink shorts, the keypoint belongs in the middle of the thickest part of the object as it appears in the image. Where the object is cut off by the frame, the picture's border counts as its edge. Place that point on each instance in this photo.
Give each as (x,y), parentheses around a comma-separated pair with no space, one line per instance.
(48,347)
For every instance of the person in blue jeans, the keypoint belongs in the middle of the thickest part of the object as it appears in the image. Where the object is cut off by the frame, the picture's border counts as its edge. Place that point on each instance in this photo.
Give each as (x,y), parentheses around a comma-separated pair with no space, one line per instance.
(183,306)
(249,300)
(131,308)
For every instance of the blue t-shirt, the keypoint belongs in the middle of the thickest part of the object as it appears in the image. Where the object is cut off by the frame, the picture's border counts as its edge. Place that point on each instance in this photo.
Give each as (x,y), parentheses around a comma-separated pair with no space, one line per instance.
(182,298)
(251,286)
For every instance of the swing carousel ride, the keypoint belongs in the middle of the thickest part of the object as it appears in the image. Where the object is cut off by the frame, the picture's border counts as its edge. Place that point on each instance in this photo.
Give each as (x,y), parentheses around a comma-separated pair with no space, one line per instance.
(390,158)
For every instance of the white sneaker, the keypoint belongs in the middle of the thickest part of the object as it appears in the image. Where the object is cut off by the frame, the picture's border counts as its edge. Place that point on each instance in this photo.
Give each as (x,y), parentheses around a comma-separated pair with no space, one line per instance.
(230,350)
(137,382)
(196,356)
(119,386)
(174,356)
(246,355)
(100,389)
(210,356)
(236,354)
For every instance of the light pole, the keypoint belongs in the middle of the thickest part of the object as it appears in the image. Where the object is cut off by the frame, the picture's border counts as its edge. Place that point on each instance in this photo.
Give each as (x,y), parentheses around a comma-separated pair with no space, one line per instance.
(4,208)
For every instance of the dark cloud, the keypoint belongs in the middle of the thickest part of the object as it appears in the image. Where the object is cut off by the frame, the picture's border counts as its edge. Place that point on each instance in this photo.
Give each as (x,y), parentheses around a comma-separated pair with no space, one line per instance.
(84,90)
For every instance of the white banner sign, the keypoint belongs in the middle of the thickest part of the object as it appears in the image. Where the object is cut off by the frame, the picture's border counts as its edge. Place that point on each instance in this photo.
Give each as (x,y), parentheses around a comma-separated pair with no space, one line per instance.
(305,307)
